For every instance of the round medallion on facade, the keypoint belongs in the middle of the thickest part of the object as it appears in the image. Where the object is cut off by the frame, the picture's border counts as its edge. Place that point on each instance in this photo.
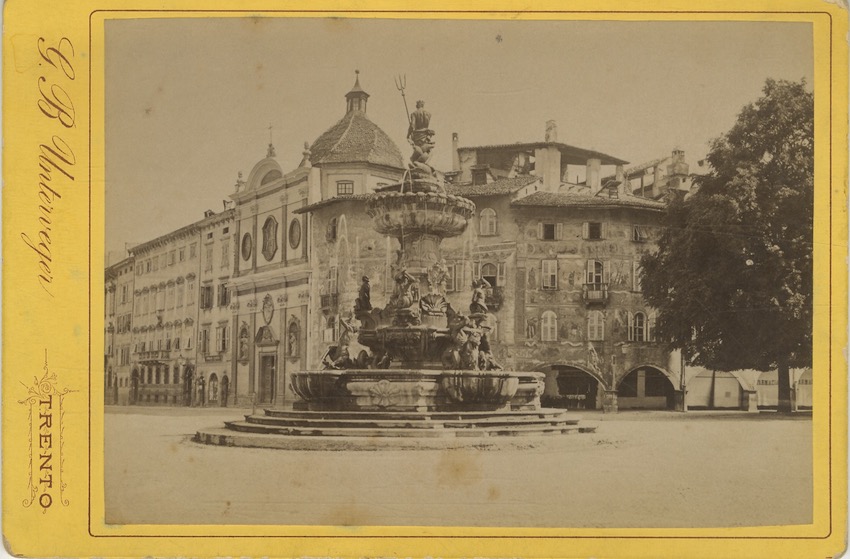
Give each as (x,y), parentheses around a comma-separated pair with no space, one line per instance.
(247,246)
(294,233)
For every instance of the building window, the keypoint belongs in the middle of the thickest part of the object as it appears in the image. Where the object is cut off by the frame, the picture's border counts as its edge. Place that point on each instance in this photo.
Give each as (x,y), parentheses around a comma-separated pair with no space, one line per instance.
(329,333)
(190,293)
(331,232)
(637,327)
(636,276)
(479,176)
(169,297)
(147,266)
(206,297)
(193,250)
(333,280)
(595,272)
(549,327)
(640,233)
(489,274)
(180,288)
(124,292)
(181,254)
(549,231)
(595,326)
(593,230)
(344,187)
(222,338)
(487,224)
(172,257)
(223,295)
(225,253)
(204,340)
(208,259)
(176,376)
(549,274)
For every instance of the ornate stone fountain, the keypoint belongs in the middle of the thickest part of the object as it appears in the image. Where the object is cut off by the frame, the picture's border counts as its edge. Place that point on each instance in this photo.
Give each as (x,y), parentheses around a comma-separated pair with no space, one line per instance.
(415,367)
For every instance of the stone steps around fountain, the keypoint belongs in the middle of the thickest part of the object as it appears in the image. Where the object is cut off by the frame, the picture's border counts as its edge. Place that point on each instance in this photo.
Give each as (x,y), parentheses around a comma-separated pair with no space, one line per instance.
(228,437)
(472,432)
(413,415)
(413,423)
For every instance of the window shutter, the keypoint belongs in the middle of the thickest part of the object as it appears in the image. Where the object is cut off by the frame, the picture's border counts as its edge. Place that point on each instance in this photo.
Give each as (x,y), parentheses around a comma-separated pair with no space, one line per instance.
(589,272)
(605,271)
(650,327)
(631,327)
(500,277)
(601,325)
(555,274)
(604,228)
(476,270)
(585,230)
(540,231)
(559,231)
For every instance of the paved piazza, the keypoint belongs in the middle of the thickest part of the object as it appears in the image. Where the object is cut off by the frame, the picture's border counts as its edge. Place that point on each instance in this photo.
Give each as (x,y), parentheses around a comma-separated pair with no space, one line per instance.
(640,469)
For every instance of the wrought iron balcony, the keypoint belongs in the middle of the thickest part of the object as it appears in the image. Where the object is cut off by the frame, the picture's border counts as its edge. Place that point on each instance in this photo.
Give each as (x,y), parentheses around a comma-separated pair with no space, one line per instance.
(595,293)
(154,355)
(329,300)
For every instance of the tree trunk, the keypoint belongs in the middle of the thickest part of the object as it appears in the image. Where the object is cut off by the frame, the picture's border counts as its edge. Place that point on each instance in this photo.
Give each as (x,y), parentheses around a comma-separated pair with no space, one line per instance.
(784,403)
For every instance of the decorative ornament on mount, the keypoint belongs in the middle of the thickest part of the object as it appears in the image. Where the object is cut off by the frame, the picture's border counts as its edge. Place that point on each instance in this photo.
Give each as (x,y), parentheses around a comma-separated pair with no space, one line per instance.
(268,309)
(383,393)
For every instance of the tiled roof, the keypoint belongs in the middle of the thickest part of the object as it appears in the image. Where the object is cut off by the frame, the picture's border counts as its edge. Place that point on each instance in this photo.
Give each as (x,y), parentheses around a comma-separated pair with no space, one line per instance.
(329,201)
(355,139)
(495,188)
(571,154)
(558,200)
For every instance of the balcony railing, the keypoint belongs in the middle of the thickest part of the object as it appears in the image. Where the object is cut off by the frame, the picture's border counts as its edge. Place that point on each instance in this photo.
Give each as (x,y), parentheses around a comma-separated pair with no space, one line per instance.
(154,355)
(595,293)
(329,300)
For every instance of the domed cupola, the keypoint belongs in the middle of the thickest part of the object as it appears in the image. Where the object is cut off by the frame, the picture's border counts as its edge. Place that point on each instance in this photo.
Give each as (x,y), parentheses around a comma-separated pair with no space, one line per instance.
(355,138)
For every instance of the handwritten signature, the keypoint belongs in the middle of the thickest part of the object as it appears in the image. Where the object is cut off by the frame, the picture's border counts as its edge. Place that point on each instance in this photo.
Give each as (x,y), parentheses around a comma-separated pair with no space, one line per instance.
(56,159)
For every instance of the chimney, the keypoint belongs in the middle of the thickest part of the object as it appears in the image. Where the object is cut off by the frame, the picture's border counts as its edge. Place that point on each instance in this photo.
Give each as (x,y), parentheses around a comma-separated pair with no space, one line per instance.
(594,176)
(551,131)
(455,154)
(620,175)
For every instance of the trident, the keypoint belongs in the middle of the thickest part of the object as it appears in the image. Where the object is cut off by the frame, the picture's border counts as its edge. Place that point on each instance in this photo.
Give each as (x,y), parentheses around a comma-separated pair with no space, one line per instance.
(400,84)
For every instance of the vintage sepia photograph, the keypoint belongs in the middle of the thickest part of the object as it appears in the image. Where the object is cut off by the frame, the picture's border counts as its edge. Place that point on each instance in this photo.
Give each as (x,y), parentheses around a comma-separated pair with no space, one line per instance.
(468,273)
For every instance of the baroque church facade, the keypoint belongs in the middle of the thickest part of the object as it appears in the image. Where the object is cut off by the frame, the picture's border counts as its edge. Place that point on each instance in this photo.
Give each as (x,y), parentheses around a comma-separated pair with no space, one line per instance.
(220,312)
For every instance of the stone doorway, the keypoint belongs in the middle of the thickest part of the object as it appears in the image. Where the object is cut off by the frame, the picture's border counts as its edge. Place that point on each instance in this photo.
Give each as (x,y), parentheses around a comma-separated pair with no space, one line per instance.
(267,379)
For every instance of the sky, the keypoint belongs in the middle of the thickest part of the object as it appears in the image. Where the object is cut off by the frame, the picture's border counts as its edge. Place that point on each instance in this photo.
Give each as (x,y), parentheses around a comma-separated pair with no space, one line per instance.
(189,102)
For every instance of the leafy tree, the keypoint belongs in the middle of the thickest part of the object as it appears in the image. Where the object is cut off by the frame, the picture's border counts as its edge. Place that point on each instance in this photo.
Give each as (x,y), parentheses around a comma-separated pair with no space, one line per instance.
(732,277)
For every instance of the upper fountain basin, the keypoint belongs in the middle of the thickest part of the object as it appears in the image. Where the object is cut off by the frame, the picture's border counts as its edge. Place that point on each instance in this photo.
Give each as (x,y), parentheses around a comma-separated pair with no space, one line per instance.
(432,213)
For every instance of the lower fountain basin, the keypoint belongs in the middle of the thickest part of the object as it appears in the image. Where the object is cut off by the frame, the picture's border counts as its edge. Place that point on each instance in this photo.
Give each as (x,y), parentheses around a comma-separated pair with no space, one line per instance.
(417,390)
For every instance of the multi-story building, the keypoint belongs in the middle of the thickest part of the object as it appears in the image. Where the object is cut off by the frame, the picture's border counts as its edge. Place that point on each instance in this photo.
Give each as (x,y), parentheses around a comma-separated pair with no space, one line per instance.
(268,285)
(211,384)
(164,318)
(118,322)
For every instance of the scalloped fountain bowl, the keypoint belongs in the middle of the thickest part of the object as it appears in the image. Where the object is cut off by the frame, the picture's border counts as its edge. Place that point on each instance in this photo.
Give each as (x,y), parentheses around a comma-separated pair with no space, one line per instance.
(434,213)
(417,390)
